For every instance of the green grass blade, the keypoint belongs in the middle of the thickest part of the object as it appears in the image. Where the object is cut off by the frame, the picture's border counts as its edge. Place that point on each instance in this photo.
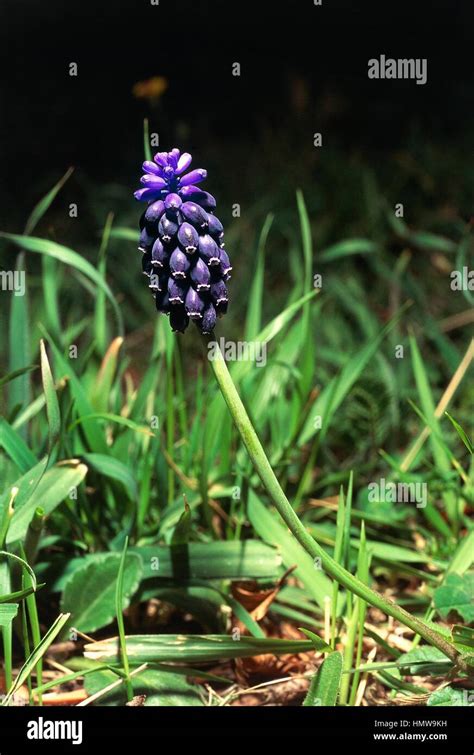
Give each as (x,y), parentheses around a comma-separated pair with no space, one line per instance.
(324,686)
(253,322)
(35,656)
(68,257)
(44,204)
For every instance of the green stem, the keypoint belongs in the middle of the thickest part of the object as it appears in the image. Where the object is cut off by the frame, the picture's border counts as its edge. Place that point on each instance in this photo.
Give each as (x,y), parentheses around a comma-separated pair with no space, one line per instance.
(284,508)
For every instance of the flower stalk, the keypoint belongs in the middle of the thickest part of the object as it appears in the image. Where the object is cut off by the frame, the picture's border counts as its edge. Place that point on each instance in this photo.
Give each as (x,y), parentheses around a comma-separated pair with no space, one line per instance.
(286,511)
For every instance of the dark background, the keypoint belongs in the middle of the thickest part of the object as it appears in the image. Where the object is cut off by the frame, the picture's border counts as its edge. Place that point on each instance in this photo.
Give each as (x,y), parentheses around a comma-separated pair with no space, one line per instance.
(304,69)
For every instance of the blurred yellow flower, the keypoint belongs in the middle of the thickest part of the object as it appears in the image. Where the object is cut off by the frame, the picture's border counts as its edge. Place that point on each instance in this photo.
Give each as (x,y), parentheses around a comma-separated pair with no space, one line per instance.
(150,89)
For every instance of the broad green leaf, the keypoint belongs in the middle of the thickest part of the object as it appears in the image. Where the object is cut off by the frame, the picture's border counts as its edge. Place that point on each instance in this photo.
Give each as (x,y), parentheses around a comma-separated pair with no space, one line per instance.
(249,559)
(424,660)
(325,683)
(89,594)
(451,697)
(25,487)
(463,637)
(161,688)
(456,594)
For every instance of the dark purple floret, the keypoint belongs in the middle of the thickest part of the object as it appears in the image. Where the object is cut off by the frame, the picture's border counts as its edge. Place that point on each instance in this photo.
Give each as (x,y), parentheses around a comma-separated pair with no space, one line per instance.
(163,302)
(146,241)
(188,237)
(179,320)
(159,254)
(216,229)
(167,228)
(209,319)
(194,304)
(195,215)
(209,250)
(179,264)
(219,292)
(153,212)
(201,275)
(182,243)
(177,291)
(172,203)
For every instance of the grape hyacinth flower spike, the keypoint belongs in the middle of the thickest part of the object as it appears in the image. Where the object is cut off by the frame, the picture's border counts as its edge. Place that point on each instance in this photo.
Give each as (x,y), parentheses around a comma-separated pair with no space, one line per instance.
(183,256)
(182,242)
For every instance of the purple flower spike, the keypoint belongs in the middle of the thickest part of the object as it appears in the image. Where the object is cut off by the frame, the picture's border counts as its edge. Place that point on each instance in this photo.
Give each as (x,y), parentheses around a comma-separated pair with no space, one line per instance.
(194,304)
(182,243)
(179,264)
